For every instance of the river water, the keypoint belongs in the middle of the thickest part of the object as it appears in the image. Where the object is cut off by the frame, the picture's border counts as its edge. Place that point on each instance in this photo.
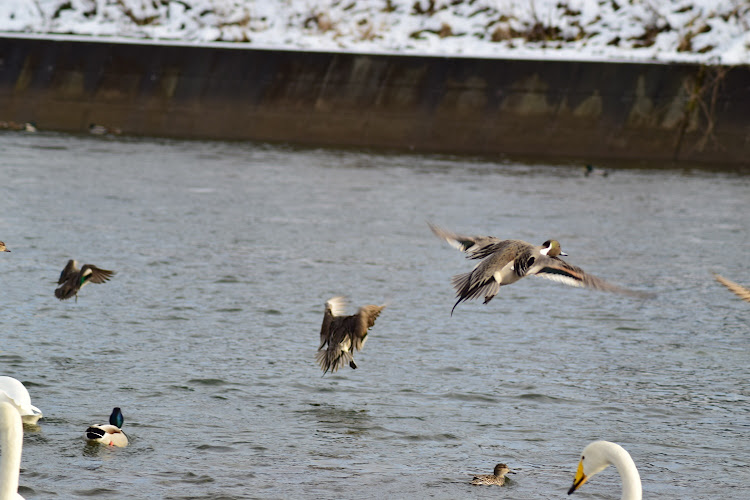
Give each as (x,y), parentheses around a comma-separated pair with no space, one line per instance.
(226,252)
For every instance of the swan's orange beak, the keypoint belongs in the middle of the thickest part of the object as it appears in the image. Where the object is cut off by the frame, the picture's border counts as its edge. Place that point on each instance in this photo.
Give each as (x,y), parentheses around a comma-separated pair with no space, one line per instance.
(579,479)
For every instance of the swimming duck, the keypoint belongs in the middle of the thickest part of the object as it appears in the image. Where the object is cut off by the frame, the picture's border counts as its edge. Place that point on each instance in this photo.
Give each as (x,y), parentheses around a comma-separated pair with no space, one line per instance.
(599,455)
(11,442)
(3,248)
(590,170)
(14,392)
(72,279)
(739,290)
(25,127)
(102,130)
(343,334)
(496,478)
(111,434)
(506,261)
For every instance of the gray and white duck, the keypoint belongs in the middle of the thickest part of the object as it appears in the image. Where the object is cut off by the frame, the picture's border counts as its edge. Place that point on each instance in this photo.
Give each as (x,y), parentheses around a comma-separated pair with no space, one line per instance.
(504,262)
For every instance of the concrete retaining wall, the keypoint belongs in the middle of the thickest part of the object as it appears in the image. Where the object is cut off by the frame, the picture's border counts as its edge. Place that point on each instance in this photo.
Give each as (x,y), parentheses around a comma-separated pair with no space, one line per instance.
(584,110)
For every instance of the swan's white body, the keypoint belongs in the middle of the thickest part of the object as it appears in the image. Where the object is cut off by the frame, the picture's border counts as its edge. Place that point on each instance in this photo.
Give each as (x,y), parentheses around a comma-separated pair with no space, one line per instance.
(12,391)
(11,440)
(599,455)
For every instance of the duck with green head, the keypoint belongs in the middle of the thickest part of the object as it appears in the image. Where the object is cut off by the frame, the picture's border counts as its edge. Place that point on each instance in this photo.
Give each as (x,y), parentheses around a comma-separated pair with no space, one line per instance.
(110,434)
(72,278)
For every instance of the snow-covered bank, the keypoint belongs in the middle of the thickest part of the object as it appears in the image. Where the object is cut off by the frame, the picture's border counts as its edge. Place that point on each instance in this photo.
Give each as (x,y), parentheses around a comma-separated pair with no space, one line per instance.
(706,31)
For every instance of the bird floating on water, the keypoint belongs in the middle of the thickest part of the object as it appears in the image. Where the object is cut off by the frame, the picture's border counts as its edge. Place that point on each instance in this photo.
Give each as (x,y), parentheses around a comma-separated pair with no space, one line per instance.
(72,279)
(506,261)
(110,434)
(19,127)
(496,478)
(95,129)
(14,392)
(599,455)
(739,290)
(11,442)
(341,335)
(590,170)
(3,248)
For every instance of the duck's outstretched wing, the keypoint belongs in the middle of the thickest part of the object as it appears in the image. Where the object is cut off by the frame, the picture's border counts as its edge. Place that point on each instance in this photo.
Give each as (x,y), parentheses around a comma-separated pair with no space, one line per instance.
(363,321)
(97,275)
(556,269)
(475,247)
(69,270)
(739,290)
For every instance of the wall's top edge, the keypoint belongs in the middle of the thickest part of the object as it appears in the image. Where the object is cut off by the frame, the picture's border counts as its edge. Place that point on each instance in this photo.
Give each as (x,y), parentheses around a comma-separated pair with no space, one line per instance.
(552,56)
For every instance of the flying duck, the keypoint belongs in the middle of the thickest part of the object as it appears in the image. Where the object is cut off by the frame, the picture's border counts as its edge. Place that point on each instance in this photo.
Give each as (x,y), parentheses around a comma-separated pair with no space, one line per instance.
(72,279)
(341,335)
(504,262)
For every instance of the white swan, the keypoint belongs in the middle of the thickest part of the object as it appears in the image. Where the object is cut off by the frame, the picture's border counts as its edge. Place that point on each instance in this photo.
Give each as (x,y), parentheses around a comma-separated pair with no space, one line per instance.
(11,440)
(599,455)
(109,434)
(12,391)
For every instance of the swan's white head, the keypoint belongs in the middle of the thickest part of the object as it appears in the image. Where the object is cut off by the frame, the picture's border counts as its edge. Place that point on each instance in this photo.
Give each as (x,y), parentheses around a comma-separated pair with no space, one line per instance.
(594,459)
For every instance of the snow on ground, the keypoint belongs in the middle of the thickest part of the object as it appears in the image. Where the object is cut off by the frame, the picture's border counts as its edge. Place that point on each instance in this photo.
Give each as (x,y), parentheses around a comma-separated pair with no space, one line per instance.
(712,31)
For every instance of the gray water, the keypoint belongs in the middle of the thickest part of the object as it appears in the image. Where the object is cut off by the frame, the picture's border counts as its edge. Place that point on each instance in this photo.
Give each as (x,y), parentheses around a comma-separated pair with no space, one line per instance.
(225,254)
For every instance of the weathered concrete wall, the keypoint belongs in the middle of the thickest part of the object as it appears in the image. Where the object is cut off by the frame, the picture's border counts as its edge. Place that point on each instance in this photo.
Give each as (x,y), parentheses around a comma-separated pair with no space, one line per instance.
(458,105)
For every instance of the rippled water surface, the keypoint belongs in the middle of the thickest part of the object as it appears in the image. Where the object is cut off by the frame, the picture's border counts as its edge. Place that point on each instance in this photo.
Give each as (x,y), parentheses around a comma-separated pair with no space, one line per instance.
(225,254)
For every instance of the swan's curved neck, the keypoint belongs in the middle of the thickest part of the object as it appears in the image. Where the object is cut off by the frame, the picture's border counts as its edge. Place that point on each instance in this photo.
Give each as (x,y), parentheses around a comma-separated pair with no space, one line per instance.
(631,480)
(11,440)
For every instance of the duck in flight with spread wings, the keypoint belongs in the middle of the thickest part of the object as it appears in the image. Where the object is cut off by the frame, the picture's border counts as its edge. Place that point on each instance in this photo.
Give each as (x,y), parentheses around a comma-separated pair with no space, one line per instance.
(72,278)
(341,335)
(503,262)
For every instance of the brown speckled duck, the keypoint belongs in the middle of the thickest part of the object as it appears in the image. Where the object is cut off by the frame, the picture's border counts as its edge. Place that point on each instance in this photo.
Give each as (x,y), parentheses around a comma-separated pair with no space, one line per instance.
(497,478)
(341,335)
